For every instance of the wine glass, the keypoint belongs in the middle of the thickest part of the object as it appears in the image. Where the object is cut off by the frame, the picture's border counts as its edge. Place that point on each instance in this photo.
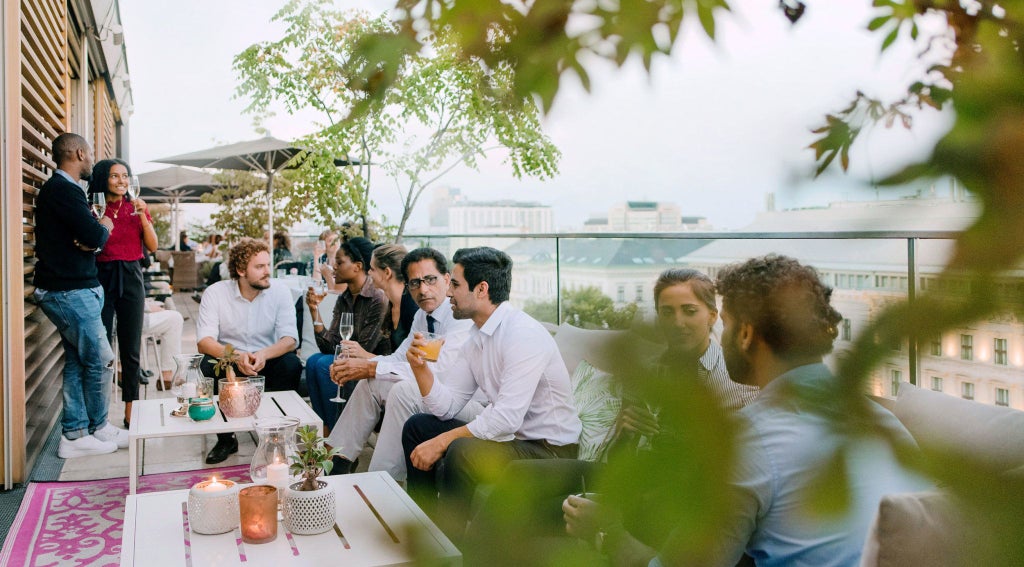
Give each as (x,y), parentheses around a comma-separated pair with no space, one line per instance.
(134,188)
(98,202)
(345,329)
(339,354)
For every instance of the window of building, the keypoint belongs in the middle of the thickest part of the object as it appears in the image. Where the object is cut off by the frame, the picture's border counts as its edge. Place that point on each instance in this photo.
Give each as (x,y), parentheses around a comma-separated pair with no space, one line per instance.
(937,383)
(967,390)
(639,293)
(966,347)
(1002,397)
(895,377)
(1000,350)
(896,344)
(935,345)
(847,329)
(620,294)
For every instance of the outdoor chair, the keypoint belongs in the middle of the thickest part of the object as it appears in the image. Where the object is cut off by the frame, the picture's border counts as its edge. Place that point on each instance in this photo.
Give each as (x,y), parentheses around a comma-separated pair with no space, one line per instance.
(186,272)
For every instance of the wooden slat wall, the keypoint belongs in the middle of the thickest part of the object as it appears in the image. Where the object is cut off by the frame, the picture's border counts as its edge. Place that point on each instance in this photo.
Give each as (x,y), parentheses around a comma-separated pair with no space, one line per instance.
(105,142)
(44,115)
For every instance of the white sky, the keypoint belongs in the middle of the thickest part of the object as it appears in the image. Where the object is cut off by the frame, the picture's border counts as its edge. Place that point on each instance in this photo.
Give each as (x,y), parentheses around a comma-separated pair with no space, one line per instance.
(713,129)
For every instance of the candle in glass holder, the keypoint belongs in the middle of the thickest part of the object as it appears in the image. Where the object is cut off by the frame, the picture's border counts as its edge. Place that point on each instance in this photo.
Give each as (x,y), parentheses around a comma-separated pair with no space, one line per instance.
(189,390)
(213,506)
(258,508)
(277,475)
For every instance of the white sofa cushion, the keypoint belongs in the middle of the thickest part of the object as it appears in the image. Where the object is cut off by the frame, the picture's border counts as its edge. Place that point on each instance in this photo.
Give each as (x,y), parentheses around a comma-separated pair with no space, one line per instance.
(945,423)
(916,529)
(594,345)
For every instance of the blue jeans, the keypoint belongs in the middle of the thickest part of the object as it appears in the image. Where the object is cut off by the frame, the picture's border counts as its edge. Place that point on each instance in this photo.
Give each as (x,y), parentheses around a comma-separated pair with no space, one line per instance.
(322,389)
(88,358)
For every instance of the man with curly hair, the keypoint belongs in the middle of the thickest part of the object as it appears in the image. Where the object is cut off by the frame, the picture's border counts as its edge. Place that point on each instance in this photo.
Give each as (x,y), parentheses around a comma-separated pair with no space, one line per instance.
(257,319)
(779,324)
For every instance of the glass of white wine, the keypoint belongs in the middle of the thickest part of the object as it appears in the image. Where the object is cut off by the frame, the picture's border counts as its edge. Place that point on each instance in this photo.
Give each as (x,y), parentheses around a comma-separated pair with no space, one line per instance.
(98,203)
(345,328)
(134,188)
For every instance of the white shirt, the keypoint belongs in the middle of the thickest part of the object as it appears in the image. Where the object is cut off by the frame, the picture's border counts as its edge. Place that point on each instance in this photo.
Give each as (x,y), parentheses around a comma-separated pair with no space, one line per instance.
(228,317)
(394,367)
(514,361)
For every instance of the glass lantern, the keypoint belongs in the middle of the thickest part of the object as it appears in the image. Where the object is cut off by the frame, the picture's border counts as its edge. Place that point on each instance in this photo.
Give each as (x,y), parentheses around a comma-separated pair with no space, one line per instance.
(187,381)
(272,461)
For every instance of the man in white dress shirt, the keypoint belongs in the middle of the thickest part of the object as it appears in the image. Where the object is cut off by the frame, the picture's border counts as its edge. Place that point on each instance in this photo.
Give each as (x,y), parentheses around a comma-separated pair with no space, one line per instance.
(257,319)
(514,361)
(426,272)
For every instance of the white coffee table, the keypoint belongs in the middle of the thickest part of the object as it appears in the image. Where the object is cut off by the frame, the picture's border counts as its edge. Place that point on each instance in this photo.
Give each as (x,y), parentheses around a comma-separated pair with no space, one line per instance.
(152,419)
(154,533)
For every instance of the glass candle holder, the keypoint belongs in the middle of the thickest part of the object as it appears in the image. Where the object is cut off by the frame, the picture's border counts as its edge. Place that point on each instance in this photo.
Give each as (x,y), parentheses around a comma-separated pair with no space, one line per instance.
(258,513)
(213,506)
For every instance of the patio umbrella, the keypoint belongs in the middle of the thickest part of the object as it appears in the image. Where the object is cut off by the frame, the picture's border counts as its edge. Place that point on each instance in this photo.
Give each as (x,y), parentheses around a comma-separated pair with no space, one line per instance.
(175,185)
(267,155)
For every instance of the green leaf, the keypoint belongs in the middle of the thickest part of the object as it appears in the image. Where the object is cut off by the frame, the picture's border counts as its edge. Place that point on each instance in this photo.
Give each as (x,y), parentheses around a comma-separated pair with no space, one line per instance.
(828,493)
(707,19)
(878,22)
(889,39)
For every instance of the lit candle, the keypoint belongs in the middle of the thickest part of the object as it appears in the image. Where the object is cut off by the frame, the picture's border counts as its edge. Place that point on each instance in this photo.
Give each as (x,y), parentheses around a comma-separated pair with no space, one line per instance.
(277,474)
(258,510)
(214,486)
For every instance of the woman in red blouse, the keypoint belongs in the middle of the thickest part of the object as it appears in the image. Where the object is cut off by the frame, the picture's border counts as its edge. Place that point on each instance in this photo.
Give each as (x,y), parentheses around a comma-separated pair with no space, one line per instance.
(119,270)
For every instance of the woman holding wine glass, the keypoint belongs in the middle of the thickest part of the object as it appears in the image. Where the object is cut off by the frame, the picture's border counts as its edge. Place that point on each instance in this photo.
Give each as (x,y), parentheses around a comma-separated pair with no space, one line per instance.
(119,269)
(386,273)
(368,307)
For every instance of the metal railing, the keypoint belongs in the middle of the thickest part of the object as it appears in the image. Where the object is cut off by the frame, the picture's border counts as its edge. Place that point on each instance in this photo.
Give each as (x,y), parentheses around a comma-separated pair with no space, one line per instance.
(911,237)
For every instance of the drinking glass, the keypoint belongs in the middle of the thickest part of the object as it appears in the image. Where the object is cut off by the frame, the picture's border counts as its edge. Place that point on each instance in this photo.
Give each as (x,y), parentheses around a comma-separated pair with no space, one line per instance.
(339,354)
(98,202)
(134,188)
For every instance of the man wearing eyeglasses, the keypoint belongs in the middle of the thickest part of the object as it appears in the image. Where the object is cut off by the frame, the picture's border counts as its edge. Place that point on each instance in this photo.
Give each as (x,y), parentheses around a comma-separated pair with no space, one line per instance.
(387,381)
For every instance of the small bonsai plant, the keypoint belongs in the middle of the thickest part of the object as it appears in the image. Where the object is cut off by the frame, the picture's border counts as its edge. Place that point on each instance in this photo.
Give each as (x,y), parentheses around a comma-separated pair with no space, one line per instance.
(226,362)
(313,458)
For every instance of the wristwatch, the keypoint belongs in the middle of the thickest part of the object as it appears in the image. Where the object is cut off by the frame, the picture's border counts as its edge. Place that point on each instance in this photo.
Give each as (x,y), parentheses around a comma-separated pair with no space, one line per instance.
(599,540)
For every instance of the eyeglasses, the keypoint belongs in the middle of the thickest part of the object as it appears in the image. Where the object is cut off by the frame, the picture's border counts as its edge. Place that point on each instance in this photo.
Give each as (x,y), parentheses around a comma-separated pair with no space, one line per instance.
(416,283)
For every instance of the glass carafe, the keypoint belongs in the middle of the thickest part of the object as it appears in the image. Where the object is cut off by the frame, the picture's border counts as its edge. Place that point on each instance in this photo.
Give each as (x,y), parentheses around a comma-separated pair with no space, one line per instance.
(273,458)
(187,380)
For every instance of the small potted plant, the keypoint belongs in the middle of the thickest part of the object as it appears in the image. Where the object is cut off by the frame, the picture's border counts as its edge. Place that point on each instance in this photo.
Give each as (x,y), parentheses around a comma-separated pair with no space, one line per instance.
(226,362)
(309,506)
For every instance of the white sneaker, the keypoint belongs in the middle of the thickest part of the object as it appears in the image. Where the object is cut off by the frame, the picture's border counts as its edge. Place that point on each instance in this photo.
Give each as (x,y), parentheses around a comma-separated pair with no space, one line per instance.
(113,434)
(84,447)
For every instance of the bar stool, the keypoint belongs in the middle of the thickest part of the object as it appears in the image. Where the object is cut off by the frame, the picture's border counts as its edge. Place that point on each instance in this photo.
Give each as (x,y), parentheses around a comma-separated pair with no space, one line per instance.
(147,341)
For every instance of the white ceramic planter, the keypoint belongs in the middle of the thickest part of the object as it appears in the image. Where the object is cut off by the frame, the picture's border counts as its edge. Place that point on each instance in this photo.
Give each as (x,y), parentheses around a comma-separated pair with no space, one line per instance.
(309,512)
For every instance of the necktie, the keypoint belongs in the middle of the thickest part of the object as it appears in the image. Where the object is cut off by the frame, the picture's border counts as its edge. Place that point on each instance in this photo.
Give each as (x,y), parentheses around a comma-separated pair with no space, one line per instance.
(430,324)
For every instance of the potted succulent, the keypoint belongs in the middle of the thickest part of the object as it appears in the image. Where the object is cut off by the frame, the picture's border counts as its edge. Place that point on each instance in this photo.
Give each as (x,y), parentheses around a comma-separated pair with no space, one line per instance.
(309,506)
(226,362)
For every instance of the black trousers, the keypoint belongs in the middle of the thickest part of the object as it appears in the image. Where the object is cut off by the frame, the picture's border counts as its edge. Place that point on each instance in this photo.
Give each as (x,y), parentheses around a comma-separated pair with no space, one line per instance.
(282,373)
(446,491)
(124,295)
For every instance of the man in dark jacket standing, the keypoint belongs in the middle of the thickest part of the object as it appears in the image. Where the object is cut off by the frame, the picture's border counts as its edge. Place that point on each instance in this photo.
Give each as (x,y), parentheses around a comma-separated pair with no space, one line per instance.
(67,239)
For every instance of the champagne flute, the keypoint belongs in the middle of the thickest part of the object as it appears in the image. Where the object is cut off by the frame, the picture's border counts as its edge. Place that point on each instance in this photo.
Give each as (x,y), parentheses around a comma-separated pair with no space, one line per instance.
(98,202)
(345,328)
(134,188)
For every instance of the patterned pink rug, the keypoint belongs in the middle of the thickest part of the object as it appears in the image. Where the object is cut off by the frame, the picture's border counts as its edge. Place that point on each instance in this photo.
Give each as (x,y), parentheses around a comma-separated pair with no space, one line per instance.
(79,523)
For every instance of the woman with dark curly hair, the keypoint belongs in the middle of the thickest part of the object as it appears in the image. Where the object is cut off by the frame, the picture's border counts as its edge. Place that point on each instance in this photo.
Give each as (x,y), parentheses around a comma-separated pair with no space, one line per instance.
(120,272)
